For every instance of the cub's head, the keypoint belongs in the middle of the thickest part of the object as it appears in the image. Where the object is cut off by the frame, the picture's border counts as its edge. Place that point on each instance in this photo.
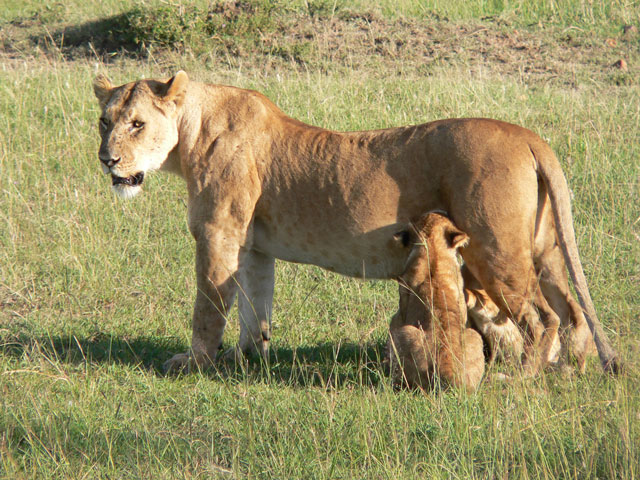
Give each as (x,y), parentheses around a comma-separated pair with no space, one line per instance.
(431,277)
(138,128)
(434,242)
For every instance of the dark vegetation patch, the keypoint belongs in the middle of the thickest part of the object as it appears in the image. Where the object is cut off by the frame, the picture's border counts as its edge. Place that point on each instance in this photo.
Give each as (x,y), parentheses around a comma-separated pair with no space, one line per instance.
(325,35)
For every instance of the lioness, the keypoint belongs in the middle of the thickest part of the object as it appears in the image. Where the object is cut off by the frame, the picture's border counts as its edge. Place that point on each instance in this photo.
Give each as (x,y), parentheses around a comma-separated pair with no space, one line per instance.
(428,339)
(262,185)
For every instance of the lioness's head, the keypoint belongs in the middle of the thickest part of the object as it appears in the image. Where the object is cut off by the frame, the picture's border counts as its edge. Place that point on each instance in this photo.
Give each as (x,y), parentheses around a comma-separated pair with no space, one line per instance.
(138,128)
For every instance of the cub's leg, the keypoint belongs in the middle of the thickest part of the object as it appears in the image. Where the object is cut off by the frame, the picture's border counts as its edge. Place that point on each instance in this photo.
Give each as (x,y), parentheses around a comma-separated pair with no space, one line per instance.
(217,258)
(411,351)
(255,299)
(499,331)
(473,359)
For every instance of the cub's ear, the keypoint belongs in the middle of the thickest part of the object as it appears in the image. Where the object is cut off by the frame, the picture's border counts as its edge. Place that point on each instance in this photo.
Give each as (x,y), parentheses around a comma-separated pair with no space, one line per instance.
(176,87)
(103,88)
(455,238)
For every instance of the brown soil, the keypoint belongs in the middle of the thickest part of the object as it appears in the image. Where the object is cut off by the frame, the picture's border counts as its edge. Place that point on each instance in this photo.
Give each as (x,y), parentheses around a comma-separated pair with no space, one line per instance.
(409,45)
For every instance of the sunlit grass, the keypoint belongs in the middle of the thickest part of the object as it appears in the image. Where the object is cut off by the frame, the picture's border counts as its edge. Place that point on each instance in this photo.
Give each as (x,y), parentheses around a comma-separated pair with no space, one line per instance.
(96,293)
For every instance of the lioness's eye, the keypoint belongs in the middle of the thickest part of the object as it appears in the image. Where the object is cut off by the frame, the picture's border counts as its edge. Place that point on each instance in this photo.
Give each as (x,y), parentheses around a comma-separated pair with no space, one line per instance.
(137,124)
(104,123)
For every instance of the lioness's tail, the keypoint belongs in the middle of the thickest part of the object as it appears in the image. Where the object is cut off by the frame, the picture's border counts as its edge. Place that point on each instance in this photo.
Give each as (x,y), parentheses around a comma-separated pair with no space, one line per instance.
(551,172)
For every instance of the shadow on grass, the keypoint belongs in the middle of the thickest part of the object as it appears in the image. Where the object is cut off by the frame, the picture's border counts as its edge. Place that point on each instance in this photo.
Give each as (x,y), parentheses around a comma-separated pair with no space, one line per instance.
(147,352)
(133,32)
(328,365)
(103,37)
(322,365)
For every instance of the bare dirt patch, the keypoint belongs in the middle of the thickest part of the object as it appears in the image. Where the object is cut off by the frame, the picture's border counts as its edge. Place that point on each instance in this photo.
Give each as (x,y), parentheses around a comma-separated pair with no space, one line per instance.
(409,45)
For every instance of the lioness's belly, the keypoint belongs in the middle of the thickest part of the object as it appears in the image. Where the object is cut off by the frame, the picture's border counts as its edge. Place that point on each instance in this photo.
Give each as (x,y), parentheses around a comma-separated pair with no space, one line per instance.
(343,216)
(371,254)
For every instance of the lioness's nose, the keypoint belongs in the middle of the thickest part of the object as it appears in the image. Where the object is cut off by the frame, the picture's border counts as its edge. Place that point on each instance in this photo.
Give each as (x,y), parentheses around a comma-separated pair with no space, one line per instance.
(109,162)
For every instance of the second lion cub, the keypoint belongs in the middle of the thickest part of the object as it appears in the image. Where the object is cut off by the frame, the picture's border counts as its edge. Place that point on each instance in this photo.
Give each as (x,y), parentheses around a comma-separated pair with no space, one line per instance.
(429,343)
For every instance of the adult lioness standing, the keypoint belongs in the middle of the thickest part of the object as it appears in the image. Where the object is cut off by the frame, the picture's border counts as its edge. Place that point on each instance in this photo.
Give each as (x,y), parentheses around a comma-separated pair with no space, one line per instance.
(262,185)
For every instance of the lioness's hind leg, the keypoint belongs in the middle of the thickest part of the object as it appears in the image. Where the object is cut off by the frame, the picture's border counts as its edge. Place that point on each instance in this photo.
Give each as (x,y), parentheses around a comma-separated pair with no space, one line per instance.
(551,323)
(575,336)
(255,299)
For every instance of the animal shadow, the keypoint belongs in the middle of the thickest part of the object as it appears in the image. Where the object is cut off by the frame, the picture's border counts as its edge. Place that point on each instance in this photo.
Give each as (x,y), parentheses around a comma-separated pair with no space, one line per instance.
(329,365)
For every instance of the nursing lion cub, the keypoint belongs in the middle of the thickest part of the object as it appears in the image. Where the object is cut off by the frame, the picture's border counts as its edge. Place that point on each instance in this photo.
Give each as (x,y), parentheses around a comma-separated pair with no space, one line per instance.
(262,186)
(429,343)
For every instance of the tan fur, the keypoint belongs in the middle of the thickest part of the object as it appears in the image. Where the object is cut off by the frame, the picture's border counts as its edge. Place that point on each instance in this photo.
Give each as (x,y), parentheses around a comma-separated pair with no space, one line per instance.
(502,335)
(505,338)
(262,185)
(429,343)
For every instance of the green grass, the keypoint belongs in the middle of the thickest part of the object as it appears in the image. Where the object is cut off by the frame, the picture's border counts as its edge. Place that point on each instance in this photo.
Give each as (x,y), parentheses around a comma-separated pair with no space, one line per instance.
(581,13)
(96,293)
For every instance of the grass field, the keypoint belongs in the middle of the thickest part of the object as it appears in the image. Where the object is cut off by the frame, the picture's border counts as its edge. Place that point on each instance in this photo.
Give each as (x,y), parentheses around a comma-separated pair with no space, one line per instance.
(96,293)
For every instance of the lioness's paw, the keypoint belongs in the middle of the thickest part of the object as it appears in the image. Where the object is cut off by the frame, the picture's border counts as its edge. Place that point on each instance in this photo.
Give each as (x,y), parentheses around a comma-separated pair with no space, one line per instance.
(177,364)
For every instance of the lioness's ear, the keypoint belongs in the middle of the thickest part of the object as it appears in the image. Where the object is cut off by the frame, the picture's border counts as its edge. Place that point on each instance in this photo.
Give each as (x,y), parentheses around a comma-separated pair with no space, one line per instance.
(176,87)
(102,87)
(455,238)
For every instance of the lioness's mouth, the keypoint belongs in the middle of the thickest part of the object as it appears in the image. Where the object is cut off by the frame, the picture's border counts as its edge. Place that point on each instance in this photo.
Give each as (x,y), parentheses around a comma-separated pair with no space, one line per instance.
(132,181)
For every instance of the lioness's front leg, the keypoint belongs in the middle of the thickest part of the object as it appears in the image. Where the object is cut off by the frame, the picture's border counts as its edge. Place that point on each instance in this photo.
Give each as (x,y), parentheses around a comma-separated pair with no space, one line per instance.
(217,259)
(255,299)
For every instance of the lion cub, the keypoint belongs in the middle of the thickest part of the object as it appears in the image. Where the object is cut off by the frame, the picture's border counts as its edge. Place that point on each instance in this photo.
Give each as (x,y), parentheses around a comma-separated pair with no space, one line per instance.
(429,342)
